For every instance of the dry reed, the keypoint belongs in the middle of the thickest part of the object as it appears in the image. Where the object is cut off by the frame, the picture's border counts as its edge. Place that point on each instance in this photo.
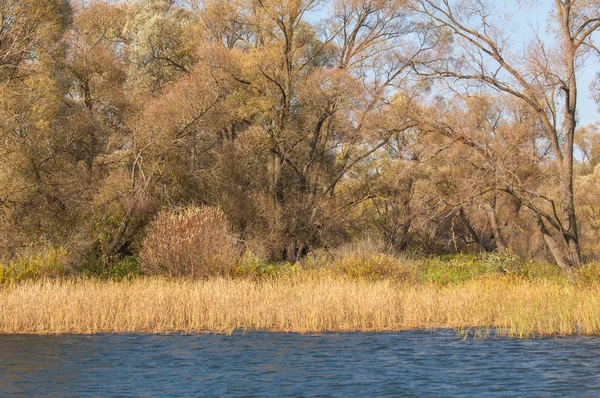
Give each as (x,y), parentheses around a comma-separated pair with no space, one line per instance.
(513,307)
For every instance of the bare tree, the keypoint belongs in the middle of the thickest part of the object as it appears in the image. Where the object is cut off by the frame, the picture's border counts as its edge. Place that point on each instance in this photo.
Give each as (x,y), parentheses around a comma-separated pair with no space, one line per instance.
(544,78)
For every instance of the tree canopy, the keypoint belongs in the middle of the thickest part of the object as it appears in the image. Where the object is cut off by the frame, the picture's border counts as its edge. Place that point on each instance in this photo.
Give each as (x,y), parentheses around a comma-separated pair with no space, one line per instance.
(310,124)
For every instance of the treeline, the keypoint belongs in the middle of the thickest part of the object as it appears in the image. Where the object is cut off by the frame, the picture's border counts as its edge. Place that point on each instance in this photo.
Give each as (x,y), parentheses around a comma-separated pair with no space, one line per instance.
(309,124)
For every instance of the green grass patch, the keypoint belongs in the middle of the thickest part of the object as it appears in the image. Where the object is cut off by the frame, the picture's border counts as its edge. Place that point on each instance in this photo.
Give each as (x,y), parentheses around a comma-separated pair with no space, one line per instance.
(445,270)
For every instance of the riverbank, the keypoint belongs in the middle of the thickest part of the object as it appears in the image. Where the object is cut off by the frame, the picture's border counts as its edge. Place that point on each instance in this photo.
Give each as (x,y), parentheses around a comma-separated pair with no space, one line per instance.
(302,303)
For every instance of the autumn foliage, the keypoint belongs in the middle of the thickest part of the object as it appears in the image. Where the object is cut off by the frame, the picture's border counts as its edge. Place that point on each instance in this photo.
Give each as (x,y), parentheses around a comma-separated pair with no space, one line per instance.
(309,125)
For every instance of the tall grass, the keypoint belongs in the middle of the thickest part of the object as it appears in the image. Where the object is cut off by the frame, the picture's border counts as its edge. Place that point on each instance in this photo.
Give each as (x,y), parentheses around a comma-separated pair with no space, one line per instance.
(301,303)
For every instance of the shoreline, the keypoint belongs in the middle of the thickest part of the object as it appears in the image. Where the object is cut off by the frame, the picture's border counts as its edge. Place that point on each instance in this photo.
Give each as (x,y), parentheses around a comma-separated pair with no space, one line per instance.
(486,307)
(466,333)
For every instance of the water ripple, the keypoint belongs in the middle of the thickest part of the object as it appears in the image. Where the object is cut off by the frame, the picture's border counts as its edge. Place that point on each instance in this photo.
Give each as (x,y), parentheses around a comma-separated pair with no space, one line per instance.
(270,364)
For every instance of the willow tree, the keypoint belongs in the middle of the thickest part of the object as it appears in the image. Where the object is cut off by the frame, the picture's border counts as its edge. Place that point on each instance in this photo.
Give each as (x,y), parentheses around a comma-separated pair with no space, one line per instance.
(31,142)
(329,85)
(544,78)
(313,95)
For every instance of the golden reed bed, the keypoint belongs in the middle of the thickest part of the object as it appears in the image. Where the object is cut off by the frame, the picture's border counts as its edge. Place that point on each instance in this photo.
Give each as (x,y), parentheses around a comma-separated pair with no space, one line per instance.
(511,307)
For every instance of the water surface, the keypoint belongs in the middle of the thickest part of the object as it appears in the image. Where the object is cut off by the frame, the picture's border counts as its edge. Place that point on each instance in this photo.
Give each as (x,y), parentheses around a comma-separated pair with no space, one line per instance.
(416,363)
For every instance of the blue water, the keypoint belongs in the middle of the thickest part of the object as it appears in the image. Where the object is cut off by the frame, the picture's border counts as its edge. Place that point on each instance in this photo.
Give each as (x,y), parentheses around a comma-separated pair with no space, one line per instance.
(277,364)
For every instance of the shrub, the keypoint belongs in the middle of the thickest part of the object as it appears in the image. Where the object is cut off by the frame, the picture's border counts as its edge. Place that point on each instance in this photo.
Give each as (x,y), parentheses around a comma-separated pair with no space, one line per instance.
(47,263)
(122,268)
(512,265)
(589,273)
(193,242)
(252,266)
(504,262)
(369,260)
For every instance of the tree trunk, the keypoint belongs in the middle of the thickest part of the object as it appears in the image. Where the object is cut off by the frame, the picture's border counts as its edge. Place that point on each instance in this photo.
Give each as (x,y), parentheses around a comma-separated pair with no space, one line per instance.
(569,221)
(274,166)
(567,202)
(493,216)
(294,251)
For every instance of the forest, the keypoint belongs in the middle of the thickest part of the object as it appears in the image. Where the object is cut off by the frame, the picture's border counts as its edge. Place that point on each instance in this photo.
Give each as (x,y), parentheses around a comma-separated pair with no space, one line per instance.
(162,133)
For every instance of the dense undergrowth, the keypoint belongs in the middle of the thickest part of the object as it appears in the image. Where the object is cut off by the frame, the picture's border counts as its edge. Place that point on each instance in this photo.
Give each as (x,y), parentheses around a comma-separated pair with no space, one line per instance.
(354,263)
(197,243)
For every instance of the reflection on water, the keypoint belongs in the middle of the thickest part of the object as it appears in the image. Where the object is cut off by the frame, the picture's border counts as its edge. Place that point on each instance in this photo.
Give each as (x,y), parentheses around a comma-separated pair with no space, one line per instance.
(275,364)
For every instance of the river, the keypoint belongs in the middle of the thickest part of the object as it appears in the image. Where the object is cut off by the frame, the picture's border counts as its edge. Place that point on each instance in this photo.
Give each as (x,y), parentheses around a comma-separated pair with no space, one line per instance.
(415,363)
